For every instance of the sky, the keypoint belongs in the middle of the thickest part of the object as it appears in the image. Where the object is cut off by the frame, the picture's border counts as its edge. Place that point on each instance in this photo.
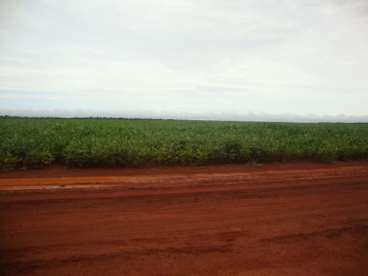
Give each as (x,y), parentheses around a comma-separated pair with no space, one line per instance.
(201,59)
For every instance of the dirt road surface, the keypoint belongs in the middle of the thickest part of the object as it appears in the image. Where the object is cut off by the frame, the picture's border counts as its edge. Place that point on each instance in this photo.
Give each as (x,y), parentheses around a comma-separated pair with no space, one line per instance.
(286,219)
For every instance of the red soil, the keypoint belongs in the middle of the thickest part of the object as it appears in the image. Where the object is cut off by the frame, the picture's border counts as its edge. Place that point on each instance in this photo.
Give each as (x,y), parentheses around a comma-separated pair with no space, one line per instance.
(285,219)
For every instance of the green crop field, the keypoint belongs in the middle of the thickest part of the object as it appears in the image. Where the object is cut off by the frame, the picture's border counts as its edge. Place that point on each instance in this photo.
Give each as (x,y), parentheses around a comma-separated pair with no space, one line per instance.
(29,143)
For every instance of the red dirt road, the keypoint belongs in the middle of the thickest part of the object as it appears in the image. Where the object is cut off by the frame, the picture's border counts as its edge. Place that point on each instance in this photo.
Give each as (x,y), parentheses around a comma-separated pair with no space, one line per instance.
(299,219)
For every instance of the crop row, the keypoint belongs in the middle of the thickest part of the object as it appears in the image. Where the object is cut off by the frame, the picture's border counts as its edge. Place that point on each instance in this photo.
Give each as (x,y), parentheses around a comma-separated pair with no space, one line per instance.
(105,142)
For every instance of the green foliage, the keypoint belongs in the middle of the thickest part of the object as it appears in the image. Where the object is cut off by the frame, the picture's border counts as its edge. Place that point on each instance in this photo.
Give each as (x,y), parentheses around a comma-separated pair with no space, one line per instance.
(111,142)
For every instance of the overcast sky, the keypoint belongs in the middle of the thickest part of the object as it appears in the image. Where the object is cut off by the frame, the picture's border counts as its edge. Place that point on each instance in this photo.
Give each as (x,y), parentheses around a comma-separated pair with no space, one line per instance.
(184,58)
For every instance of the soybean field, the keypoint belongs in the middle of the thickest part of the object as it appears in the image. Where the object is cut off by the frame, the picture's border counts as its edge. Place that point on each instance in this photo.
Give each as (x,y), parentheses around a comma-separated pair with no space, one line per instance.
(39,142)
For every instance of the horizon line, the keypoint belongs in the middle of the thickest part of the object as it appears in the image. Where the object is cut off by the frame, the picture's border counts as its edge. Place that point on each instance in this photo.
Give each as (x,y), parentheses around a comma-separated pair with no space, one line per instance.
(274,118)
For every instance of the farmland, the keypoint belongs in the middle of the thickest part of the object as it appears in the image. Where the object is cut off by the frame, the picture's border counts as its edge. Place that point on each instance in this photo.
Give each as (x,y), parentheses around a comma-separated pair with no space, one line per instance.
(32,142)
(138,210)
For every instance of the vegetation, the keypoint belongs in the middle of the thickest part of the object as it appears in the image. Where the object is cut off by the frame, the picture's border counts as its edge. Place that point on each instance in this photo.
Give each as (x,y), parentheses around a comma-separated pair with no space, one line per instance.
(117,142)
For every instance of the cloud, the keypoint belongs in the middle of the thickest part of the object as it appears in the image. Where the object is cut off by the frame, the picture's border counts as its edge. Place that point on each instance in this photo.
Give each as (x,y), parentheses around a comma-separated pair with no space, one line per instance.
(185,57)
